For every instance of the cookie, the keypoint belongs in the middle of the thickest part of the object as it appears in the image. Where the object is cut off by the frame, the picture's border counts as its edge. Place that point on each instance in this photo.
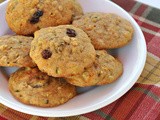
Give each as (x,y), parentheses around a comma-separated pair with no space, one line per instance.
(25,17)
(62,51)
(106,30)
(14,51)
(106,69)
(31,86)
(77,10)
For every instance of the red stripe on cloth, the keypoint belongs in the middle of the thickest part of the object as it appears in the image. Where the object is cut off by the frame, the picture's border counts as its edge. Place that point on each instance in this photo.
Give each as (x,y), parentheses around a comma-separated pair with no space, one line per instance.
(15,115)
(108,109)
(154,89)
(146,25)
(118,103)
(42,118)
(138,21)
(141,9)
(140,99)
(148,37)
(154,46)
(93,115)
(158,117)
(1,118)
(125,5)
(127,104)
(143,96)
(153,113)
(145,106)
(150,27)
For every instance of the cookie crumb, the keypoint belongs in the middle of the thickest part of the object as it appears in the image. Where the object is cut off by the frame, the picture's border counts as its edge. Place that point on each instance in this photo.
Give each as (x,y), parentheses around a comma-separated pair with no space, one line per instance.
(47,101)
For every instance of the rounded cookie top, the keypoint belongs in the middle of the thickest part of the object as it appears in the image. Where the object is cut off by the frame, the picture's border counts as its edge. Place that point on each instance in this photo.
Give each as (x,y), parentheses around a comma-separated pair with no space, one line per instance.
(62,51)
(105,69)
(77,10)
(106,30)
(31,86)
(27,16)
(14,51)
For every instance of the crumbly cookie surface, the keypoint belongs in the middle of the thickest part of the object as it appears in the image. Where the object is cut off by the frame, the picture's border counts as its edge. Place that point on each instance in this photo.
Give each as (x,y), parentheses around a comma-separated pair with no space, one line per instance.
(14,51)
(106,30)
(26,16)
(31,86)
(77,10)
(62,51)
(106,69)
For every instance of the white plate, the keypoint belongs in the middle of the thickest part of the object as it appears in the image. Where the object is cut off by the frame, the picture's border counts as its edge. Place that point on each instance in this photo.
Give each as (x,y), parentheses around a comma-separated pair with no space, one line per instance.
(133,57)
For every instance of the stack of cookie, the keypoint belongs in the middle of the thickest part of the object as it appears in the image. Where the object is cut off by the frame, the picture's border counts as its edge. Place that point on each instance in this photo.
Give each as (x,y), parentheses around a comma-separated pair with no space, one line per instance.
(58,48)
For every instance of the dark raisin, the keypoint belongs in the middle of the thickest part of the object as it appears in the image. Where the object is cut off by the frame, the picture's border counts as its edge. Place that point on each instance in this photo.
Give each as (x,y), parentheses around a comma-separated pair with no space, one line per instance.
(34,20)
(46,54)
(97,56)
(36,16)
(95,65)
(17,91)
(30,35)
(99,74)
(71,32)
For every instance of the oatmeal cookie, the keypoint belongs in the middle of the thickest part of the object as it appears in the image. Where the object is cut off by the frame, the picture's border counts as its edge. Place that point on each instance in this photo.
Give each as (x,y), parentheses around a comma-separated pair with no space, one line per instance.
(14,51)
(106,30)
(33,87)
(27,16)
(106,69)
(77,10)
(62,51)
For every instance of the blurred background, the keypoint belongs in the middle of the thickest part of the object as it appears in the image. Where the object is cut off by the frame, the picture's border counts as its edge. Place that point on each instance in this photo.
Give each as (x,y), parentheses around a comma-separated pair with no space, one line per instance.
(153,3)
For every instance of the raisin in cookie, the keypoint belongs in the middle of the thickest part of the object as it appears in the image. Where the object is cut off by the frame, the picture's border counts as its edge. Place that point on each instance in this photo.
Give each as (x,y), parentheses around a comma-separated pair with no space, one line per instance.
(106,30)
(105,69)
(14,51)
(62,51)
(26,16)
(31,86)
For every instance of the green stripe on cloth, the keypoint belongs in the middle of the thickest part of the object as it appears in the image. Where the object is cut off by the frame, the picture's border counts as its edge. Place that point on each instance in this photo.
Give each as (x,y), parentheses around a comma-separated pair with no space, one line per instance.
(73,118)
(146,12)
(154,15)
(104,115)
(147,92)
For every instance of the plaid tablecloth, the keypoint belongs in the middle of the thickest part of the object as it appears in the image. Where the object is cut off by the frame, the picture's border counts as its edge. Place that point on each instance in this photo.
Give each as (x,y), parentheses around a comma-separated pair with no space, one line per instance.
(142,102)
